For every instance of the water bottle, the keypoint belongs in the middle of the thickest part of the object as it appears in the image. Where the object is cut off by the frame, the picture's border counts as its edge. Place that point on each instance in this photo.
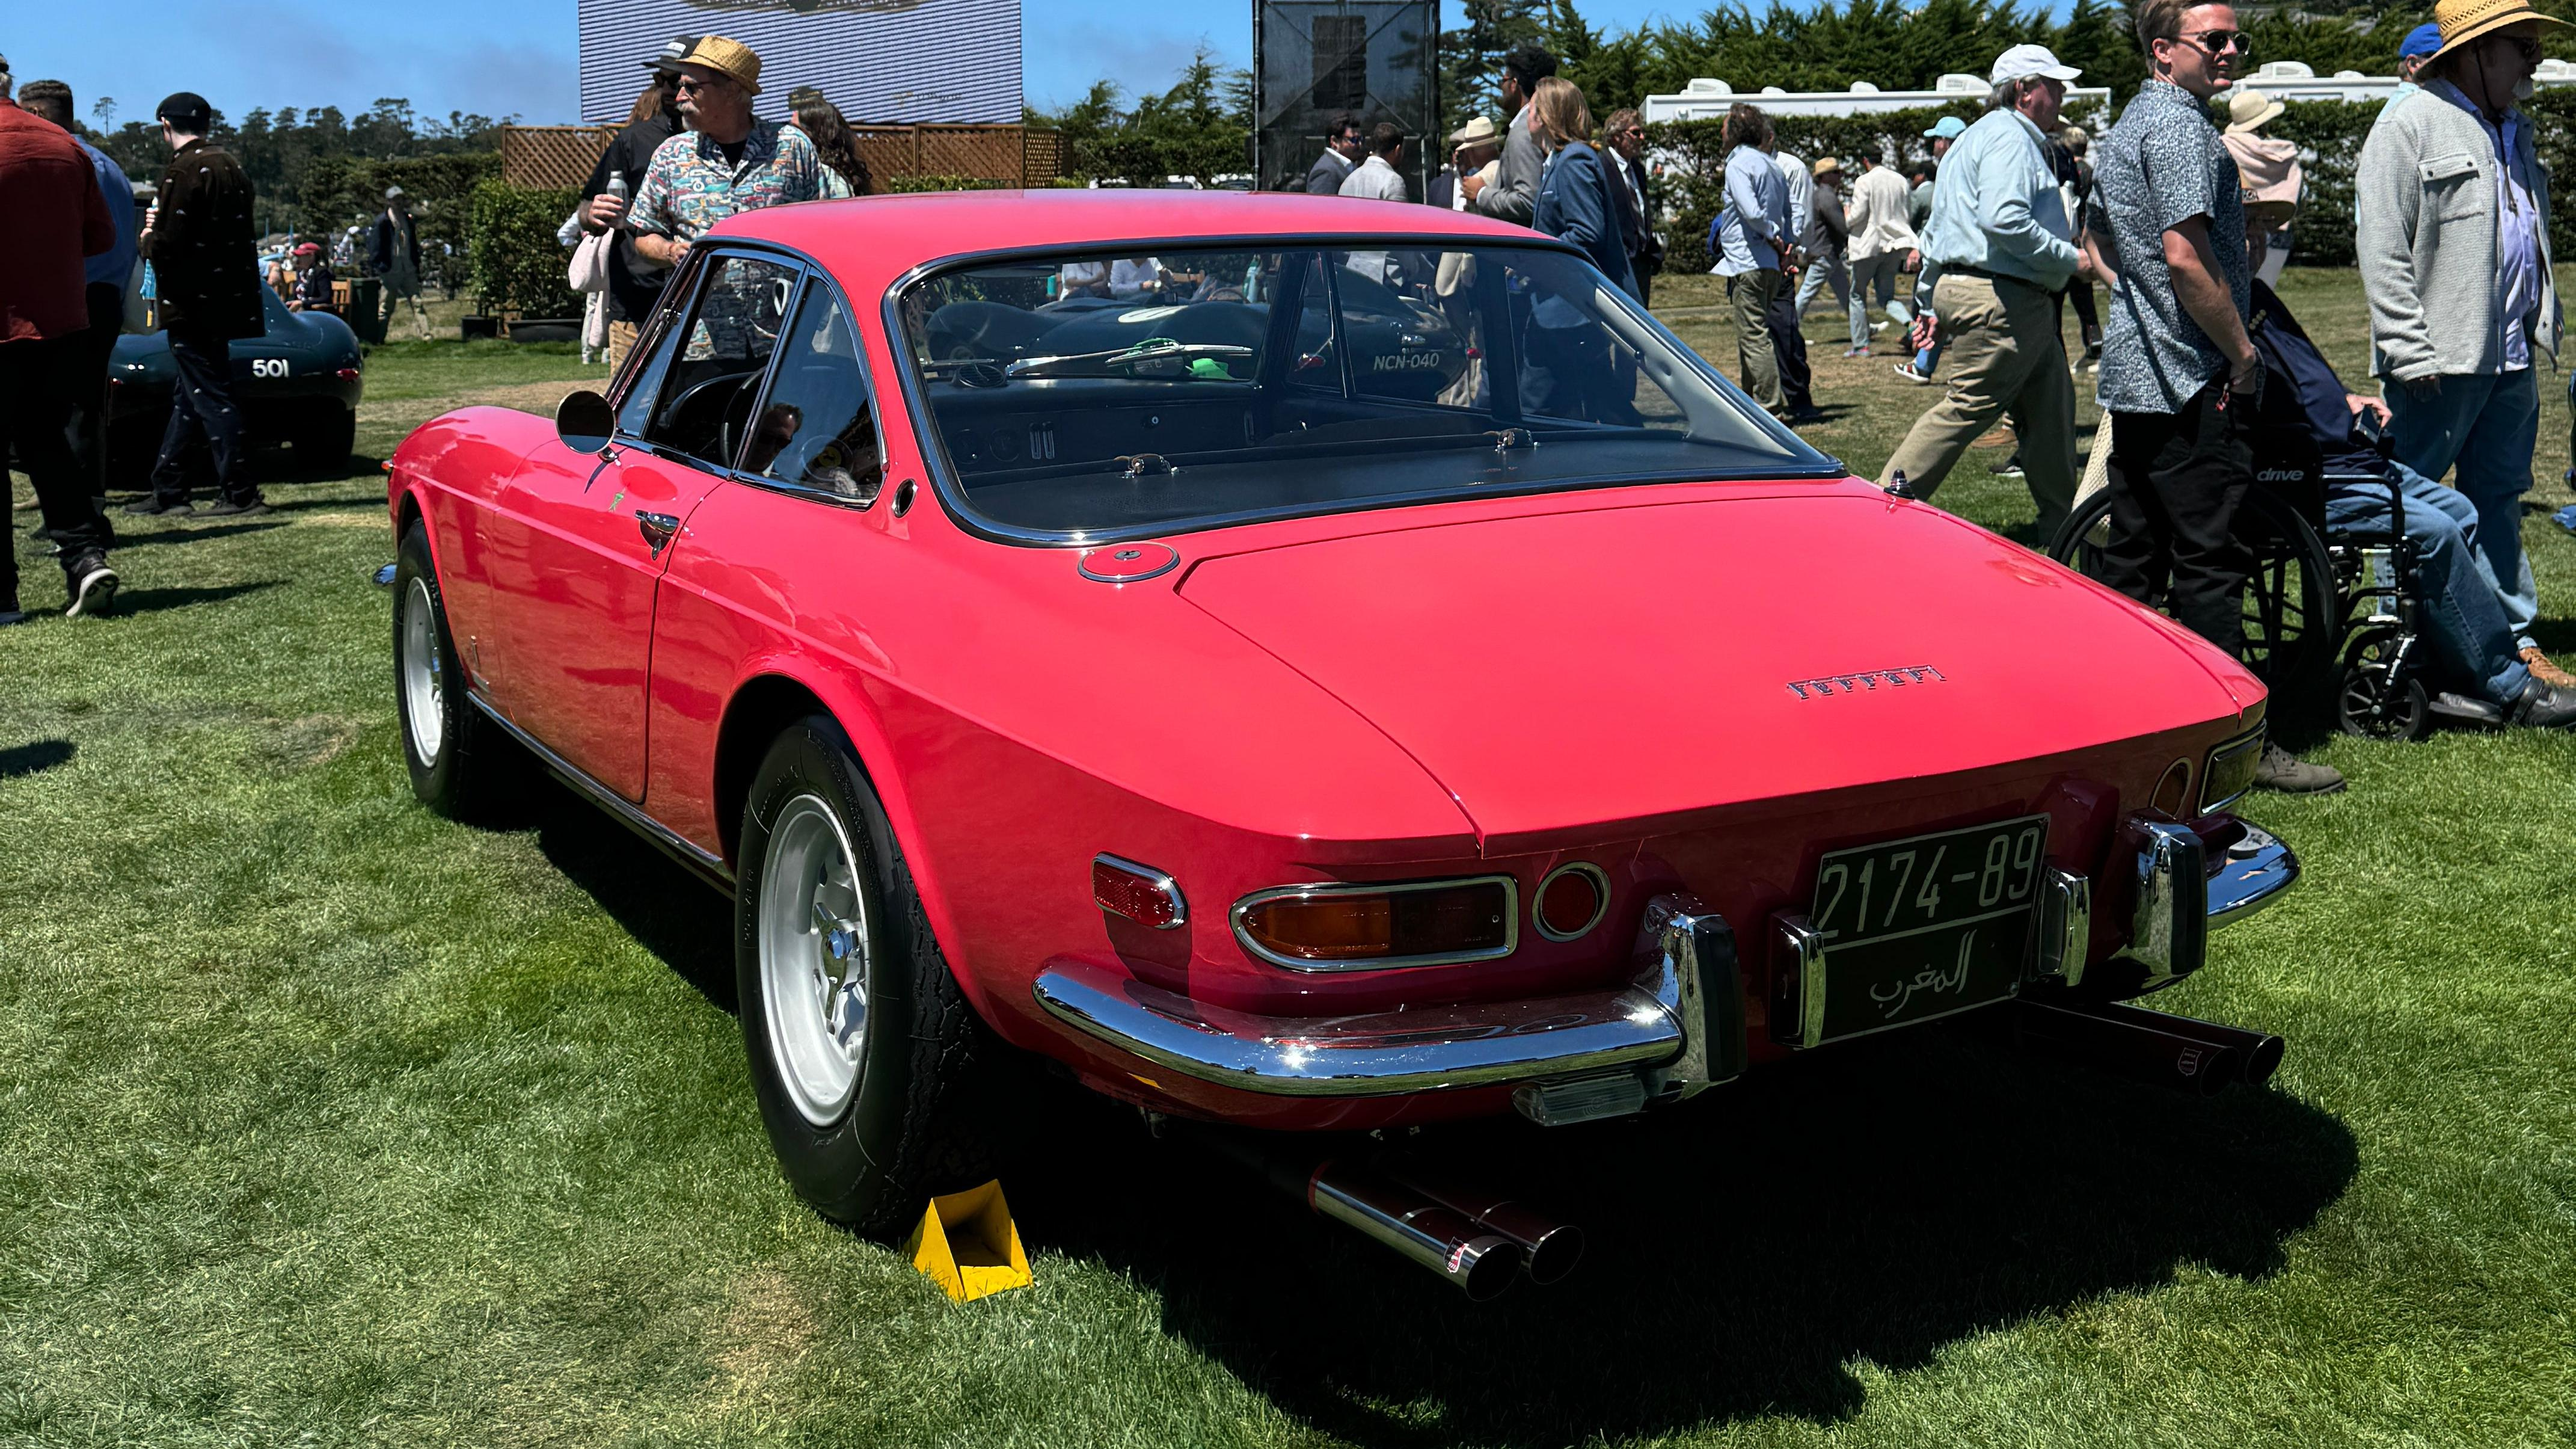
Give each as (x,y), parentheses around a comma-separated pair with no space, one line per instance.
(617,188)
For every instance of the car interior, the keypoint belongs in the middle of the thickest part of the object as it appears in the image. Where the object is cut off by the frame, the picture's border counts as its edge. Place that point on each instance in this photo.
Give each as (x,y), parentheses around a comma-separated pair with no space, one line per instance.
(1247,384)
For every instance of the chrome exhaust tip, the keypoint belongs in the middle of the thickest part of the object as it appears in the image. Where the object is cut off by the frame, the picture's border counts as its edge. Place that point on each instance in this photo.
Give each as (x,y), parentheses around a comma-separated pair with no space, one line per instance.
(2200,1058)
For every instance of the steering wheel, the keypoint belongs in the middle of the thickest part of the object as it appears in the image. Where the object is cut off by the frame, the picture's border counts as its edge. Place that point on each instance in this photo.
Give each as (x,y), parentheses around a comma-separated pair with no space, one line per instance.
(679,406)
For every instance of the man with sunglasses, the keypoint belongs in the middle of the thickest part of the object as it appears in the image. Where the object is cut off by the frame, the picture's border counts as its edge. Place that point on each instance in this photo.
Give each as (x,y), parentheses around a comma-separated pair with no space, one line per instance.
(2180,376)
(2454,225)
(726,162)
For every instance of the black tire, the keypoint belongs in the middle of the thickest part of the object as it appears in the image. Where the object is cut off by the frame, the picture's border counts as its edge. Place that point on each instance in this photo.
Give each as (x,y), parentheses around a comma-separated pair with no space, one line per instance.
(2373,700)
(461,764)
(908,1122)
(324,443)
(2293,614)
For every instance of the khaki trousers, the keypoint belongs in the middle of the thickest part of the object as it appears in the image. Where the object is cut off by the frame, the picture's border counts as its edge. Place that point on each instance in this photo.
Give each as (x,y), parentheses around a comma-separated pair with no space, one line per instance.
(621,341)
(2003,357)
(1758,369)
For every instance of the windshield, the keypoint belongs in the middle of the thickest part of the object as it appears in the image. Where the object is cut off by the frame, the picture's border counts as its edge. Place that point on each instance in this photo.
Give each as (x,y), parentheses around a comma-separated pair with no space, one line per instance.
(1117,394)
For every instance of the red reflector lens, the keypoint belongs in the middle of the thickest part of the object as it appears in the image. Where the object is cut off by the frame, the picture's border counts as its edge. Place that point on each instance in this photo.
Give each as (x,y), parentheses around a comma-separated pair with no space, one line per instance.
(1138,892)
(1469,919)
(1570,902)
(346,374)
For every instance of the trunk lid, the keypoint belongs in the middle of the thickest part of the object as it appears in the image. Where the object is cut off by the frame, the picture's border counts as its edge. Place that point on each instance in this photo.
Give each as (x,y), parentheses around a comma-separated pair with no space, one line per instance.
(1632,663)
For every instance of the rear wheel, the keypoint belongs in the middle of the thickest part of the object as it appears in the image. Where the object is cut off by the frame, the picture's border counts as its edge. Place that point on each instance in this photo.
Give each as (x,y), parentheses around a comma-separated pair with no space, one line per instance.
(461,764)
(2291,616)
(864,1055)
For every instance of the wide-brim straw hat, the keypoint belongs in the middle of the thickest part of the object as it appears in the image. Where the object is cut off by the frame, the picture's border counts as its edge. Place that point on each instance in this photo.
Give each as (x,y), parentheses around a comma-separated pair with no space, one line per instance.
(1479,130)
(2465,20)
(729,58)
(1828,166)
(2248,109)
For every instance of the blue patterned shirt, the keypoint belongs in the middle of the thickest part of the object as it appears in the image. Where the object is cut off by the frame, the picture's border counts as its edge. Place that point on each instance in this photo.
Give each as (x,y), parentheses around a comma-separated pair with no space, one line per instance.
(2162,165)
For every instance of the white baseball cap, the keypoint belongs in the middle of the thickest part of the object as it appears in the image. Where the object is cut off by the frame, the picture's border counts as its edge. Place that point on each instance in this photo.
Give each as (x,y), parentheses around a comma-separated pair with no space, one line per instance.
(2024,61)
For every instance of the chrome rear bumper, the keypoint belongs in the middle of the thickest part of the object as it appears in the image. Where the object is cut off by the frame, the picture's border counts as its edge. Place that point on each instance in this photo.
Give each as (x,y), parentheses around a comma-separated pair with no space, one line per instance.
(1680,1025)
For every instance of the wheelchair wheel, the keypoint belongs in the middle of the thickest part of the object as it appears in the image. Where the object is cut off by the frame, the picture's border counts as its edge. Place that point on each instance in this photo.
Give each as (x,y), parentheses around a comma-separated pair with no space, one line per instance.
(2293,616)
(2374,700)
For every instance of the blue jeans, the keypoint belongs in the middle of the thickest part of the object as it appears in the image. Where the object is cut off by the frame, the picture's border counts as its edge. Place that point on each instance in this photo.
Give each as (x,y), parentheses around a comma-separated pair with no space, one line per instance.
(2487,428)
(2463,614)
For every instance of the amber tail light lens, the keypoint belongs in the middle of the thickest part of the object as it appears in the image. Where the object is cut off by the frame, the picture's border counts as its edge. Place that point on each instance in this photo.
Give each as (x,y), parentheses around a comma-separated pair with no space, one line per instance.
(1366,927)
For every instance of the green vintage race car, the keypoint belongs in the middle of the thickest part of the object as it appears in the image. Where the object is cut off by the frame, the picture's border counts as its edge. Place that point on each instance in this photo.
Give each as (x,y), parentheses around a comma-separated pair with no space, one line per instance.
(298,384)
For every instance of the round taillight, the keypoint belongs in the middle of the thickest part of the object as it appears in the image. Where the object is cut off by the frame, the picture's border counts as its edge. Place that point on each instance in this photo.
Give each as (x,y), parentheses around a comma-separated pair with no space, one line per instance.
(1571,900)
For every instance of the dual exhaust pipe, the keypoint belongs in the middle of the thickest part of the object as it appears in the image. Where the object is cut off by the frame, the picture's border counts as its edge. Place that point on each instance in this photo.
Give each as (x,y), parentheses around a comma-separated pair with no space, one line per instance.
(2200,1058)
(1480,1241)
(1474,1239)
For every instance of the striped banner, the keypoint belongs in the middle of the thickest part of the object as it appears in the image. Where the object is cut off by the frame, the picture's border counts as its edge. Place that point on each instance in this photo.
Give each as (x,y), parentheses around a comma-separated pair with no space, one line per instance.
(879,60)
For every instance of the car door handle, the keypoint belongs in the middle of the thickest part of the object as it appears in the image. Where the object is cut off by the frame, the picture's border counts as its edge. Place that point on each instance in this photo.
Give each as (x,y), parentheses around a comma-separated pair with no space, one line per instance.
(657,529)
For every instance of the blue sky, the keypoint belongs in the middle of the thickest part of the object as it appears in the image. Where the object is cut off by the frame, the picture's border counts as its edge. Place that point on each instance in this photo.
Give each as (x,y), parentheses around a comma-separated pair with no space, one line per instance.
(499,57)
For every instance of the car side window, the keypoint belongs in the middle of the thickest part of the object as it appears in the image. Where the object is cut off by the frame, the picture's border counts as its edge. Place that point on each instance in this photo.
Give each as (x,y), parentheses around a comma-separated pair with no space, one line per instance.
(1317,364)
(819,430)
(660,340)
(712,368)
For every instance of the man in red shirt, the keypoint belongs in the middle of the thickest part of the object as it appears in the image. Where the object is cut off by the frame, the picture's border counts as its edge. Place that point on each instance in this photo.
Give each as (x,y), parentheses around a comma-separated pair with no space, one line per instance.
(57,219)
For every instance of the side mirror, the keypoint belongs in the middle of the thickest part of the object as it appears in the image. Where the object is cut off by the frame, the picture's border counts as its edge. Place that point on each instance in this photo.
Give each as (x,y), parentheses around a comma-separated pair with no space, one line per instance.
(585,422)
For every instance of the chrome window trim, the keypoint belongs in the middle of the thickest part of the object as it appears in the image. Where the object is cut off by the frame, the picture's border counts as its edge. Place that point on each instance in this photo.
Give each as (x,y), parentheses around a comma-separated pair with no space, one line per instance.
(819,279)
(951,489)
(1162,882)
(1328,889)
(1600,901)
(718,250)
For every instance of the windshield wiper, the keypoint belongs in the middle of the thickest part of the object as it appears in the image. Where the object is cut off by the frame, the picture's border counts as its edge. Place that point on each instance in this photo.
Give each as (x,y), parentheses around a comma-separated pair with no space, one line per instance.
(1151,351)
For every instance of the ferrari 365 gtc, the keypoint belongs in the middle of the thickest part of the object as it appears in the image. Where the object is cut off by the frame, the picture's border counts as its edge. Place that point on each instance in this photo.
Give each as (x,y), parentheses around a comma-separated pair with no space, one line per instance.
(1356,670)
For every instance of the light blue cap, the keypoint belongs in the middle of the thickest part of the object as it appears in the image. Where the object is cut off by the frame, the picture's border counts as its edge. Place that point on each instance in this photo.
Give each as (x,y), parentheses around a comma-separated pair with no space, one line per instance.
(1950,128)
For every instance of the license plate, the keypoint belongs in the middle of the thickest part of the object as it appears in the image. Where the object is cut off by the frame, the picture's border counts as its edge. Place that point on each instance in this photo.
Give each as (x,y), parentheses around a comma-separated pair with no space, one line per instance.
(1906,930)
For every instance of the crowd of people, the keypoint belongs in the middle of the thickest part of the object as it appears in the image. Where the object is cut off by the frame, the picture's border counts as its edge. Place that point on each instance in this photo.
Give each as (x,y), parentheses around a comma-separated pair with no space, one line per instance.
(691,155)
(2011,219)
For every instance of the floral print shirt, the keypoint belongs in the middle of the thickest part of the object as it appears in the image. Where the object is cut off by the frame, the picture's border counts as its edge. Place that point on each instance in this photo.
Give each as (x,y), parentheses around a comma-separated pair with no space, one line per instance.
(688,187)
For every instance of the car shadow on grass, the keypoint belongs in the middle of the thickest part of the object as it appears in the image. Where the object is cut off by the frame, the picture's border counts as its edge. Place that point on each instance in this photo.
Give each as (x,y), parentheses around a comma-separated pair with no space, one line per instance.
(1749,1251)
(35,757)
(661,904)
(152,601)
(128,538)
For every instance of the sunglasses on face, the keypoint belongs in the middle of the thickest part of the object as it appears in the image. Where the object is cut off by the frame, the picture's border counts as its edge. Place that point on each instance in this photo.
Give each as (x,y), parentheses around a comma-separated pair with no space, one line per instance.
(684,85)
(2219,42)
(2523,45)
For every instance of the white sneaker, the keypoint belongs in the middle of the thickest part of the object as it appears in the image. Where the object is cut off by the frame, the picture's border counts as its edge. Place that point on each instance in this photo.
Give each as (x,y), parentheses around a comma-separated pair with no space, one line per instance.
(93,587)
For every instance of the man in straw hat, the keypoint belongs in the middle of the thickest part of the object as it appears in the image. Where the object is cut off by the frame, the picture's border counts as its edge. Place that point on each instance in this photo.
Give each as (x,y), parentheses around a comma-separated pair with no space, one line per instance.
(726,162)
(2453,211)
(1472,147)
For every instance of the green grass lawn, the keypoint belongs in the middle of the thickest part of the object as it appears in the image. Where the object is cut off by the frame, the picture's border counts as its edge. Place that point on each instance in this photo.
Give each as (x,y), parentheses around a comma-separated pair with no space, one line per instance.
(326,1121)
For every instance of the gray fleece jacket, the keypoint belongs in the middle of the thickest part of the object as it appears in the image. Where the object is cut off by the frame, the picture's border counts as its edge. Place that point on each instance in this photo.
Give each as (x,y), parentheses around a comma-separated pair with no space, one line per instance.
(2426,195)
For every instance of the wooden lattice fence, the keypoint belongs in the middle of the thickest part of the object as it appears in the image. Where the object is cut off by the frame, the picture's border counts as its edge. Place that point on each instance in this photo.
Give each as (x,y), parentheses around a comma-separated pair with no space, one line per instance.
(555,158)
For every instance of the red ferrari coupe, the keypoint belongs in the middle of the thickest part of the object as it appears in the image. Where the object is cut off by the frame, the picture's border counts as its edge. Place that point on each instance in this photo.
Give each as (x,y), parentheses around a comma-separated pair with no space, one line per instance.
(1300,664)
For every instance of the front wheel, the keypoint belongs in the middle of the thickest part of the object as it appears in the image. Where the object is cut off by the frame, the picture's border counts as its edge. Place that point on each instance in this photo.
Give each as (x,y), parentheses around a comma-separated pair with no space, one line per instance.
(461,765)
(864,1055)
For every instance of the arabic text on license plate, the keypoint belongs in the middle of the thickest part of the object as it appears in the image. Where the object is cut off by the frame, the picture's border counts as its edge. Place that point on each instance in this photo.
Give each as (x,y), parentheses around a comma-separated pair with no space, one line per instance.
(1913,929)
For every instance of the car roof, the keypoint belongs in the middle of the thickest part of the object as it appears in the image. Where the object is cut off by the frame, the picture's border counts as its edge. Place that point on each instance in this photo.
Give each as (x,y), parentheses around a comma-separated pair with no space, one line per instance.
(864,234)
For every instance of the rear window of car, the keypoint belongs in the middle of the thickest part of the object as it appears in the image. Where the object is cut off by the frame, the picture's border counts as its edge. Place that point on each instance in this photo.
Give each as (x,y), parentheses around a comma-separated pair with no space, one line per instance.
(1117,394)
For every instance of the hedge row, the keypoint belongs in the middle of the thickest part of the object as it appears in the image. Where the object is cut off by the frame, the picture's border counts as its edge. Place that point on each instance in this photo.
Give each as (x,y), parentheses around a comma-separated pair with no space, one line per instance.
(2329,135)
(511,253)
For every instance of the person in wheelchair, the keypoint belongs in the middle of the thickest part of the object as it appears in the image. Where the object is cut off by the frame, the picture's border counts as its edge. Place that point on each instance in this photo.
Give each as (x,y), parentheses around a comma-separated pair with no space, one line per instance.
(2461,611)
